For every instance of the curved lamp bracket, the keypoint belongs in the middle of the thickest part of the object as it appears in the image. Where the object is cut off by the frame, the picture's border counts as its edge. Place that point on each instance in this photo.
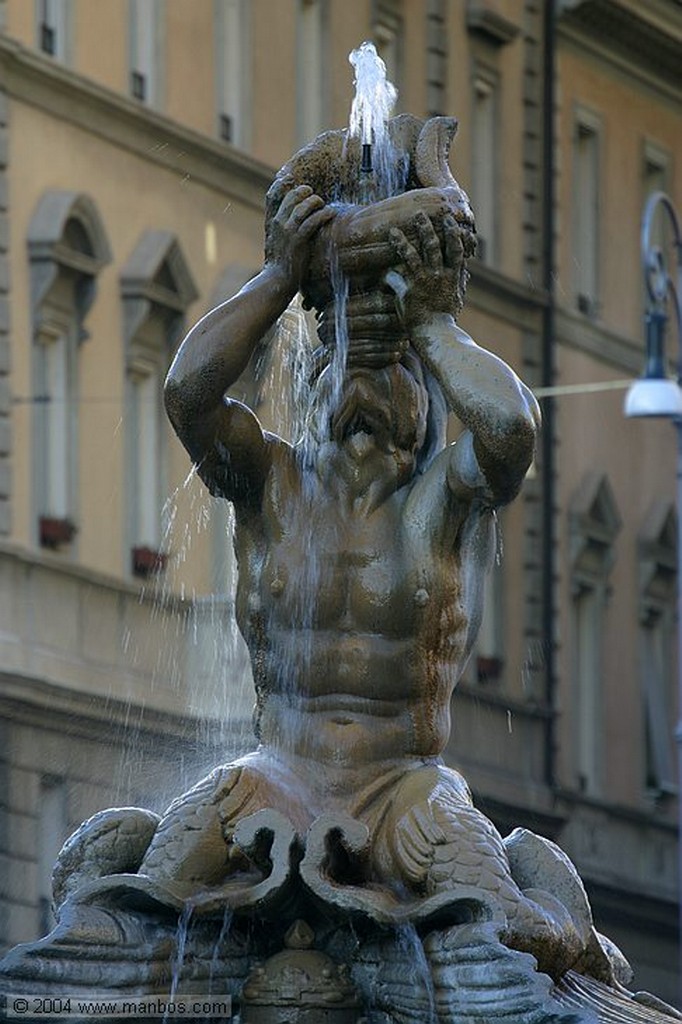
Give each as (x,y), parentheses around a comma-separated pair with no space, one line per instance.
(659,281)
(655,394)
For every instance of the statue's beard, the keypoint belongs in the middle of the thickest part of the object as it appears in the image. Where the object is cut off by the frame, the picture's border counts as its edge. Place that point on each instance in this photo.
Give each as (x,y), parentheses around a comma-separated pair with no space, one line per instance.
(387,405)
(362,411)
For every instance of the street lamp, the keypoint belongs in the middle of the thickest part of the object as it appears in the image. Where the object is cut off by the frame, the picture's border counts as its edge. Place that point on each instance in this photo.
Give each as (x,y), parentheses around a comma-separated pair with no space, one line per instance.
(656,394)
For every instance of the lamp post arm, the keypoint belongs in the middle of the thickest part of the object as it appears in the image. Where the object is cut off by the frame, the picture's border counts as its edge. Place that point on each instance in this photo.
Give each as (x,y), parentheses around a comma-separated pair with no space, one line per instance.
(660,283)
(657,278)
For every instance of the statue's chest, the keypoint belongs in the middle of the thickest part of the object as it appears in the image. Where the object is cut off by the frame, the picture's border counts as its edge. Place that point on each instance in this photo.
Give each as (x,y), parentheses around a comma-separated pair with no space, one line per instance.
(349,572)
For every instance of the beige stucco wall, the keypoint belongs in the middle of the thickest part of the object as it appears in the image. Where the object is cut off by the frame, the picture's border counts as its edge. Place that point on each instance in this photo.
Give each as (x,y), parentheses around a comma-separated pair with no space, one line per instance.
(131,195)
(651,117)
(637,457)
(99,51)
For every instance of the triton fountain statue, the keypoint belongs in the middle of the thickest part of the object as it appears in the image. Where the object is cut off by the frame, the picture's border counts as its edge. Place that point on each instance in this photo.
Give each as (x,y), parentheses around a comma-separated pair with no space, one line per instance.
(362,554)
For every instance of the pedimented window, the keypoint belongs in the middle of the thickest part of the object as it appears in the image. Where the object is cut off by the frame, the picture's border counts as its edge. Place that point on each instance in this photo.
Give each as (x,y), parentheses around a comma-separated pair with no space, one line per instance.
(657,563)
(67,248)
(156,289)
(594,523)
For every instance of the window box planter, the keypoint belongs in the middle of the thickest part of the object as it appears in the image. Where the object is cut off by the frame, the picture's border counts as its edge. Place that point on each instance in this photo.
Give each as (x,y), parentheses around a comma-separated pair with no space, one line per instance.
(56,532)
(148,561)
(489,669)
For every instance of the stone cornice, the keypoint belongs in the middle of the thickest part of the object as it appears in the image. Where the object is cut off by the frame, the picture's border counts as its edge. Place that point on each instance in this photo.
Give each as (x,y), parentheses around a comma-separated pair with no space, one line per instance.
(160,597)
(504,297)
(29,77)
(580,333)
(643,41)
(630,907)
(490,24)
(37,703)
(502,702)
(571,801)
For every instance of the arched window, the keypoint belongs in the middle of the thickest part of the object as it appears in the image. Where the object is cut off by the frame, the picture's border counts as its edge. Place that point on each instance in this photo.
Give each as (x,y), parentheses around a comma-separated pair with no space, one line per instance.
(156,289)
(657,556)
(67,247)
(594,524)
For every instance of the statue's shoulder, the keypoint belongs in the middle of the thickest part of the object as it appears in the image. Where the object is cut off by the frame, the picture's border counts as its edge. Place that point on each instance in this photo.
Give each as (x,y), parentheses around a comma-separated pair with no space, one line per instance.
(431,494)
(283,479)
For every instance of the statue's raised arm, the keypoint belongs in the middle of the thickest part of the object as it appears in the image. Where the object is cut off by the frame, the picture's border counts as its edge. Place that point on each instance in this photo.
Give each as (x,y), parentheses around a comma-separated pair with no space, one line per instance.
(223,436)
(499,412)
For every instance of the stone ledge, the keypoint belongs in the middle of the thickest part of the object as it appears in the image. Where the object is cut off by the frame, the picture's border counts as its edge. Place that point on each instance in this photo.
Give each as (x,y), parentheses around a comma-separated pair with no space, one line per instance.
(642,40)
(607,346)
(30,77)
(500,295)
(67,630)
(620,847)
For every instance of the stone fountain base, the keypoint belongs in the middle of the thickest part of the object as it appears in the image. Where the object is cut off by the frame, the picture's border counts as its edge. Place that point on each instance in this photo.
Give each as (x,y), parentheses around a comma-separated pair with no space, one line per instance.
(302,937)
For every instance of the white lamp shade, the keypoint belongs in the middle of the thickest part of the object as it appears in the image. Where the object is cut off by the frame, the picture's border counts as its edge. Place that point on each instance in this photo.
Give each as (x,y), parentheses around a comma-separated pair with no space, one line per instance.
(654,396)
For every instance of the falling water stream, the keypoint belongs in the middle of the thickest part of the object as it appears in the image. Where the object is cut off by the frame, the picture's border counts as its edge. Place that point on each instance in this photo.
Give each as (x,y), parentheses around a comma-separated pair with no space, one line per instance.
(222,936)
(181,946)
(306,402)
(313,397)
(417,979)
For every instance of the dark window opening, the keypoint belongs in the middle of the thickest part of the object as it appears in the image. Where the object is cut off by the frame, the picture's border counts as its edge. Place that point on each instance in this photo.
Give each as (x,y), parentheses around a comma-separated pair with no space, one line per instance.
(138,85)
(226,127)
(48,39)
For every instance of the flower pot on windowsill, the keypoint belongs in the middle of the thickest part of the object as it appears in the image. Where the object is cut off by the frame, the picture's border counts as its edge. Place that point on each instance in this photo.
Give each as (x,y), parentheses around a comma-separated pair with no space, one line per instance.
(488,669)
(55,531)
(148,561)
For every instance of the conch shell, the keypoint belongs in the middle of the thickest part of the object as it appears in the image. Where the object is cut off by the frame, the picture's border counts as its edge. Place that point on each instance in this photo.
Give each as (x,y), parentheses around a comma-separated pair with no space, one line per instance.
(359,235)
(432,152)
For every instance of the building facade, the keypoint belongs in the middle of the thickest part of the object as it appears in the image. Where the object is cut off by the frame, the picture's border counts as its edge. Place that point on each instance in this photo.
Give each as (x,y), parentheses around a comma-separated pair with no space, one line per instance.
(137,140)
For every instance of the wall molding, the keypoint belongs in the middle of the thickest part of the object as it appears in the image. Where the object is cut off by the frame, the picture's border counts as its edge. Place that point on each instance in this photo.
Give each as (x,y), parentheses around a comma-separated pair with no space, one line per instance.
(644,43)
(29,77)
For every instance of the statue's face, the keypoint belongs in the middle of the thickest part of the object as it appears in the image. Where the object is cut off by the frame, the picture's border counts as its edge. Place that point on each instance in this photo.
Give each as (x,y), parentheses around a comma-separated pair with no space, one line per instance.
(388,404)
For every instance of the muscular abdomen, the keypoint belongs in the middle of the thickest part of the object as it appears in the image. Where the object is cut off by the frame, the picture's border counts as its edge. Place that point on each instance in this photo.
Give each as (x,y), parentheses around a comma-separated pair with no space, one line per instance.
(316,662)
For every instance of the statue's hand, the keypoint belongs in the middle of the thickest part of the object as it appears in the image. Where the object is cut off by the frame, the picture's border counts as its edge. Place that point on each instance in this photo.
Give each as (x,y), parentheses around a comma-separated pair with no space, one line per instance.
(361,234)
(376,336)
(300,216)
(426,278)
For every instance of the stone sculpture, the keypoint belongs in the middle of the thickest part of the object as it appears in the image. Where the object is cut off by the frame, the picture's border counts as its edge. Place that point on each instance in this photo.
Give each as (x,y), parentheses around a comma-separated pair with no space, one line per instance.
(362,553)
